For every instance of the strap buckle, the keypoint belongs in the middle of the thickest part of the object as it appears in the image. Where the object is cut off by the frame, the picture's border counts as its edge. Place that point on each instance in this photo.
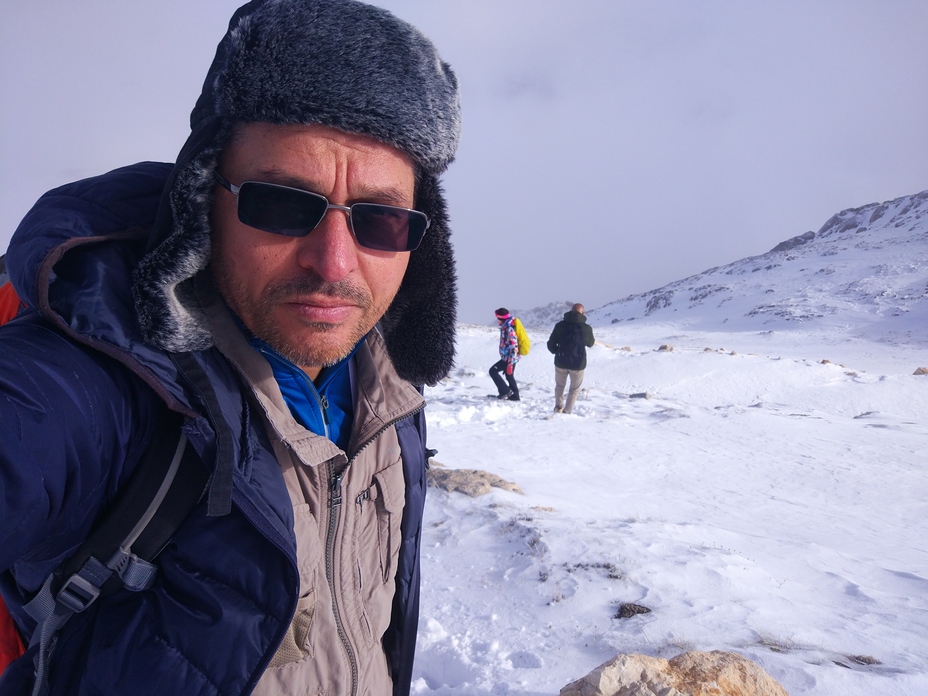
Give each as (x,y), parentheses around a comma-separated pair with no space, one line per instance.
(78,593)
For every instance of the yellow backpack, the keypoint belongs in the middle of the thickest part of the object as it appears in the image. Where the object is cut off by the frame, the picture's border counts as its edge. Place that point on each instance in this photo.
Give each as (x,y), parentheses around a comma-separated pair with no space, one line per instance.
(524,343)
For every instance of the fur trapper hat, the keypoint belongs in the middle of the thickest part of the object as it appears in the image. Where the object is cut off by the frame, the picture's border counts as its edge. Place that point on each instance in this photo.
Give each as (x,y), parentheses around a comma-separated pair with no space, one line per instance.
(338,63)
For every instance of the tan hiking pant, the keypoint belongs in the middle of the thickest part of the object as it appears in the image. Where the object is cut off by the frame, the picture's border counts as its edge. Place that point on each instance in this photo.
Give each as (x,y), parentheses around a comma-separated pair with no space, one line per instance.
(560,381)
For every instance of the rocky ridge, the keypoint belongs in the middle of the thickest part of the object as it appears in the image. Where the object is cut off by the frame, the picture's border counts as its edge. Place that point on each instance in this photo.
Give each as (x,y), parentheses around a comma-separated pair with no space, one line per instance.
(865,265)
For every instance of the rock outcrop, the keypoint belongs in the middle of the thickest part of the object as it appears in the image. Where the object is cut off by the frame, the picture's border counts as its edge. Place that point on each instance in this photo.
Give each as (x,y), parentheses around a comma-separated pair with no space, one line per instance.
(471,482)
(714,673)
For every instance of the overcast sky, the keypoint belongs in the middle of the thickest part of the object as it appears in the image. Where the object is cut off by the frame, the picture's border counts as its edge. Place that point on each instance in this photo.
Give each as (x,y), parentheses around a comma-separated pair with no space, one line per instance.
(609,146)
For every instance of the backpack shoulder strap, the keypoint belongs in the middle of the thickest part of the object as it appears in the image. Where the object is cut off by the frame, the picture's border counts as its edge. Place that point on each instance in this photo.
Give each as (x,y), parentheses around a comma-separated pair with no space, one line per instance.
(163,489)
(166,485)
(399,641)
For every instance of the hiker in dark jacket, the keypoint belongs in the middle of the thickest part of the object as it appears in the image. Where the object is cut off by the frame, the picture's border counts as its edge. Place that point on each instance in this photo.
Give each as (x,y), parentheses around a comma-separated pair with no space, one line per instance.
(569,340)
(287,287)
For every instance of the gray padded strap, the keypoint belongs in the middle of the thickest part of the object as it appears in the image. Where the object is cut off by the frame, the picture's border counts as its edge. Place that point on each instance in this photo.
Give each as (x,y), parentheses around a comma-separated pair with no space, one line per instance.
(52,612)
(135,573)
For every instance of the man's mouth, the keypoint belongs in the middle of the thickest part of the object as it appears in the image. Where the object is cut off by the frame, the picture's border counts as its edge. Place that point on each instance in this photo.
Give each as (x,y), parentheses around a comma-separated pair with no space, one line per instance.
(322,310)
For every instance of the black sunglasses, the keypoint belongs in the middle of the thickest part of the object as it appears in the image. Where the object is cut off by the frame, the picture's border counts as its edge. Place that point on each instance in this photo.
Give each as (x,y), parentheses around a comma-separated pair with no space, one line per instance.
(293,212)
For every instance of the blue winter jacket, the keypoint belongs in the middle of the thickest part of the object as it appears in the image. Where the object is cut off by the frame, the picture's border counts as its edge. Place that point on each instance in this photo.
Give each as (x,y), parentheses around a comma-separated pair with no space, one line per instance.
(80,392)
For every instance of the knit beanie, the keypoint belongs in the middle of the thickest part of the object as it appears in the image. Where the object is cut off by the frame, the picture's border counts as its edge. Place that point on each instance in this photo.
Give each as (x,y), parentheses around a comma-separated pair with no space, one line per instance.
(337,63)
(502,313)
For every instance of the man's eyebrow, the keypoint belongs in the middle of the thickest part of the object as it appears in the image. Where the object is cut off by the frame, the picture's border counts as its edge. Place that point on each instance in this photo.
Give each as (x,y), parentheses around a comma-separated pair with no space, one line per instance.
(388,195)
(274,175)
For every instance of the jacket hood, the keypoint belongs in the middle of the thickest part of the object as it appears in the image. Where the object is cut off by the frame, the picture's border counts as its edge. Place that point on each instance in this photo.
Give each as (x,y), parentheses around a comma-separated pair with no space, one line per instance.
(338,63)
(574,317)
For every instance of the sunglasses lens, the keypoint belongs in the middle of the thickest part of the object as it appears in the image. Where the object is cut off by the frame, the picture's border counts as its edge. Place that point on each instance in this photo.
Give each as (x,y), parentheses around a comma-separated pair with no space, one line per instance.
(295,213)
(386,228)
(280,210)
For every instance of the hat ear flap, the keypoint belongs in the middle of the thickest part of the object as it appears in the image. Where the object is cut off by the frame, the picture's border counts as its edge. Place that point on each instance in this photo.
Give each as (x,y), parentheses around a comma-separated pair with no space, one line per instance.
(419,327)
(179,247)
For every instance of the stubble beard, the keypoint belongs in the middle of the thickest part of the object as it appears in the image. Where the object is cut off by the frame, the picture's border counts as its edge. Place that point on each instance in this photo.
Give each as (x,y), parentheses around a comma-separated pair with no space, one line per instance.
(316,343)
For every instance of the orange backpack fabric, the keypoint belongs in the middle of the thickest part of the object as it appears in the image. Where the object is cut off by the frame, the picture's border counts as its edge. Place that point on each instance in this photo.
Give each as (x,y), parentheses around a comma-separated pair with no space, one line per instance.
(9,302)
(11,645)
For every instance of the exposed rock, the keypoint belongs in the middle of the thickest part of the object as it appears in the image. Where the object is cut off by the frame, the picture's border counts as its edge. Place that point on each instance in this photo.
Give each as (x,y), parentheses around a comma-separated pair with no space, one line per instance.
(864,660)
(472,482)
(659,301)
(626,611)
(640,395)
(714,673)
(627,349)
(921,371)
(794,242)
(666,348)
(703,292)
(539,317)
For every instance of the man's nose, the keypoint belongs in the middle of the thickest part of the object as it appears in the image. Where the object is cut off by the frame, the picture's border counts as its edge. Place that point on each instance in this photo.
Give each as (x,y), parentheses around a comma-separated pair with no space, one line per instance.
(330,249)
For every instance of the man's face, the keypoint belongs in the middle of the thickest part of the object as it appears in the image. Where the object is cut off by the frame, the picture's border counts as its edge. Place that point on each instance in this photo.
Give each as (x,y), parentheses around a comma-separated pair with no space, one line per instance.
(311,298)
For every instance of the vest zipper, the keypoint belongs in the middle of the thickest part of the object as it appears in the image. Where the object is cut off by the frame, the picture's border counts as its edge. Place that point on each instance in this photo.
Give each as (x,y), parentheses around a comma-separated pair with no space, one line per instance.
(335,504)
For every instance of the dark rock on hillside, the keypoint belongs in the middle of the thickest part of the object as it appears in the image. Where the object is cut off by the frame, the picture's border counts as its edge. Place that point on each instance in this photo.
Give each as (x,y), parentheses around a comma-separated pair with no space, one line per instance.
(794,242)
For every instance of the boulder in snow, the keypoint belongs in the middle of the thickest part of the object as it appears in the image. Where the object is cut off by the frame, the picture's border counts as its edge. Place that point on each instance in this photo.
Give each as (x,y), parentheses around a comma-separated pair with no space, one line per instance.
(714,673)
(472,482)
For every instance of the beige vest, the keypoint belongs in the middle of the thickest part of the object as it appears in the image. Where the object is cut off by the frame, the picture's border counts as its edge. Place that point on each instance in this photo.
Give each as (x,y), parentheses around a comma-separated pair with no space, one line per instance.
(347,549)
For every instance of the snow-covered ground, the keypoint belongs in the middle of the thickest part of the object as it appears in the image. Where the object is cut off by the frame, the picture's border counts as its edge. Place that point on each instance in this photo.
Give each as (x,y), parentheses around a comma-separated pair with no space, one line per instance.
(770,497)
(761,501)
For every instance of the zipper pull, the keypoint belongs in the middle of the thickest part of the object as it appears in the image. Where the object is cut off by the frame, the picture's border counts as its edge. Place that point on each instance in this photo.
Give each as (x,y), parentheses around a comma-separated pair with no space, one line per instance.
(362,496)
(336,488)
(325,408)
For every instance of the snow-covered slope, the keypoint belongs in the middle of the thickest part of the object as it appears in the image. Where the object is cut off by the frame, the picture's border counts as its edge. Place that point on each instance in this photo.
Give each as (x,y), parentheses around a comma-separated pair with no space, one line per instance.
(866,269)
(543,317)
(768,498)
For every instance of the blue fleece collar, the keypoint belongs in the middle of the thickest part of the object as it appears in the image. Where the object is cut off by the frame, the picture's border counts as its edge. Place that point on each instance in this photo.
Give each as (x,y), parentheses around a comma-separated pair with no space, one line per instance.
(326,406)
